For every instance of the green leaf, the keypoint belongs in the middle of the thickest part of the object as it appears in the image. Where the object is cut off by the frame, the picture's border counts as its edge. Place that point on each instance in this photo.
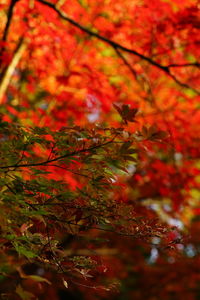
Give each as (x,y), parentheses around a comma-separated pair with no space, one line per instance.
(125,147)
(10,237)
(24,295)
(128,157)
(38,172)
(123,169)
(3,124)
(39,279)
(23,251)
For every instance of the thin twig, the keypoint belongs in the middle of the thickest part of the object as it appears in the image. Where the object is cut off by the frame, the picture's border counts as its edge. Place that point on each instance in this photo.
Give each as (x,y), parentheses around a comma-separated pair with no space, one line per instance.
(126,63)
(71,171)
(195,64)
(46,162)
(52,252)
(135,235)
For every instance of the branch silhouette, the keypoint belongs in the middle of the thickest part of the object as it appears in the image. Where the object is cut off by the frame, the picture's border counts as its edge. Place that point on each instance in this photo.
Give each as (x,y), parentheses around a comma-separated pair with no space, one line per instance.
(46,162)
(6,30)
(117,46)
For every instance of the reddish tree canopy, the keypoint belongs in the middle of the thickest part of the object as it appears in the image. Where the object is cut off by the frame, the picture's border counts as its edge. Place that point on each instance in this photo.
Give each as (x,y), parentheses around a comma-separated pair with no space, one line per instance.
(99,149)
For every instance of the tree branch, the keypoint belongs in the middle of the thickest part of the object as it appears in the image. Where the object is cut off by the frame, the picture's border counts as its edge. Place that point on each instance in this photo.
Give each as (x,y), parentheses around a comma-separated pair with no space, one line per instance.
(7,73)
(195,64)
(126,63)
(111,230)
(46,162)
(68,170)
(136,76)
(6,30)
(115,45)
(102,38)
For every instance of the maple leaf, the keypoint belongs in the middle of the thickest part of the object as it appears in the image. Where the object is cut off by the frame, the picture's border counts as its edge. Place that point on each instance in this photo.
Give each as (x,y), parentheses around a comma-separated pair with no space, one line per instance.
(128,114)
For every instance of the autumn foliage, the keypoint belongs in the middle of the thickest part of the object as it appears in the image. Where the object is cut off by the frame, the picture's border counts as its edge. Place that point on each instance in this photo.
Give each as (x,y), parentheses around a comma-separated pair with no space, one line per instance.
(99,149)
